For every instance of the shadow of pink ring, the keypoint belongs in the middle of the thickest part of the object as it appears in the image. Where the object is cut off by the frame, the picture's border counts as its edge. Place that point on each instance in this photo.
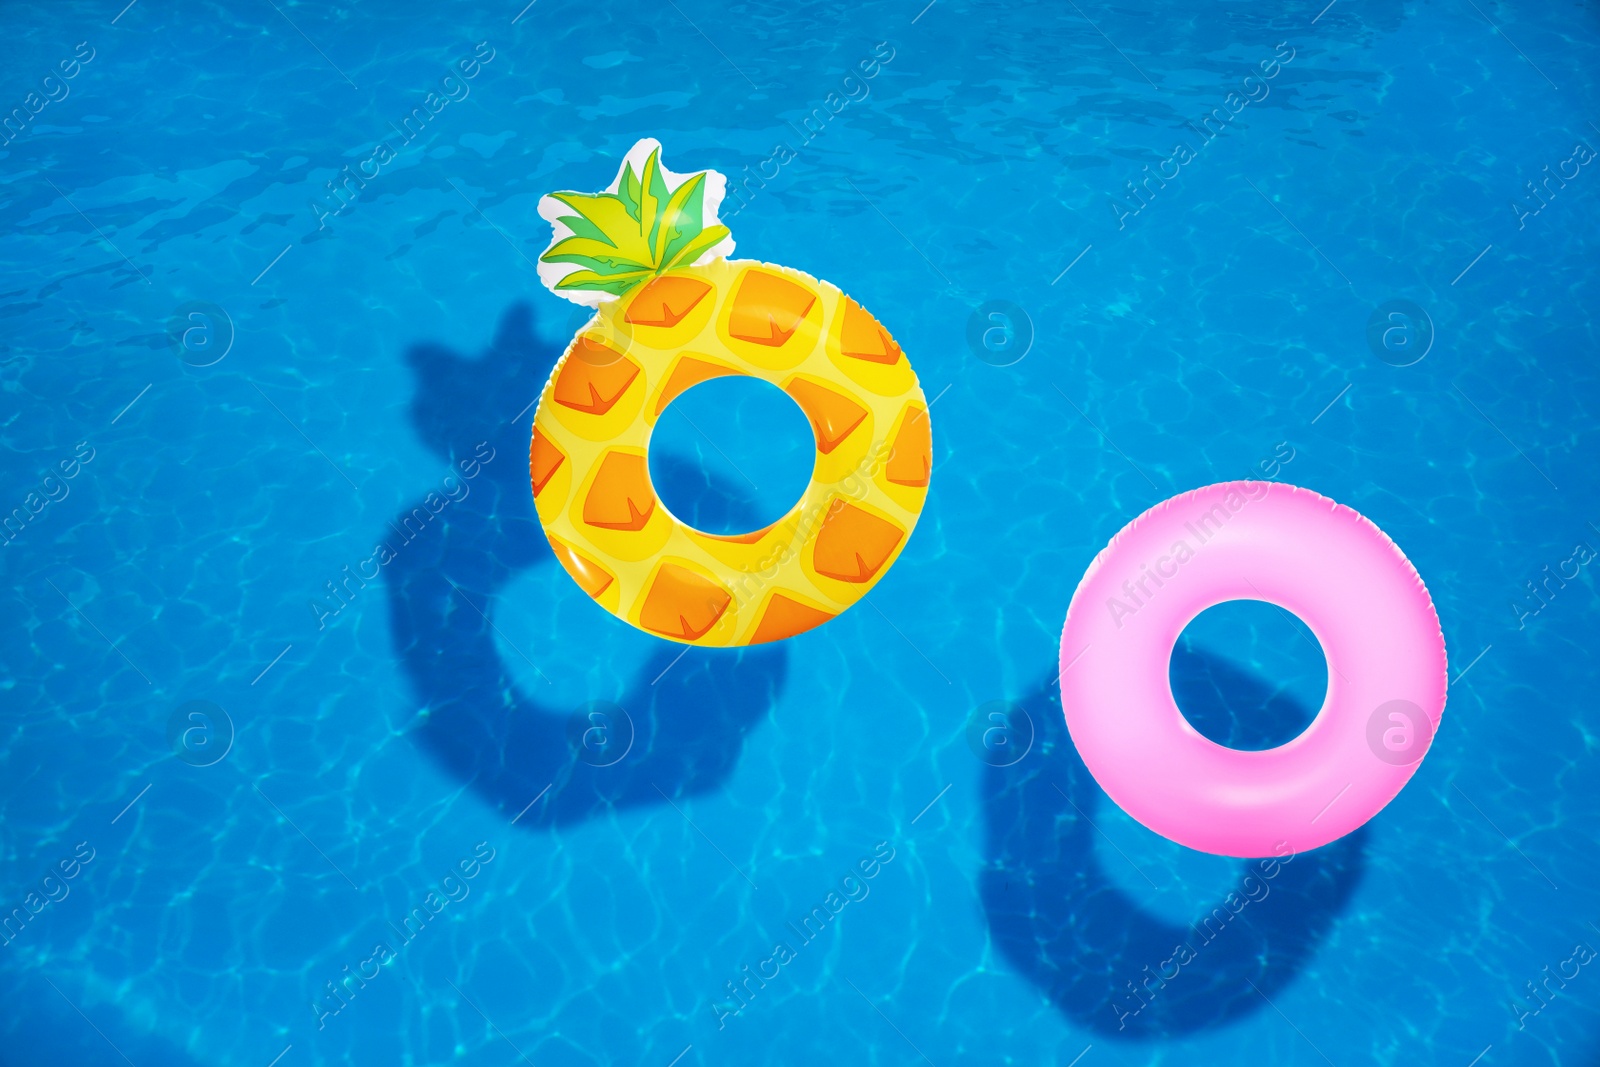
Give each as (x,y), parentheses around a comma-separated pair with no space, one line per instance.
(1301,551)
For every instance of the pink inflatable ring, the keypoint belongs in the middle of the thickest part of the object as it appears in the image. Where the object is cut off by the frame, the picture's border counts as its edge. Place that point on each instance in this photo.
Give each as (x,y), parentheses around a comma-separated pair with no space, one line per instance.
(1303,552)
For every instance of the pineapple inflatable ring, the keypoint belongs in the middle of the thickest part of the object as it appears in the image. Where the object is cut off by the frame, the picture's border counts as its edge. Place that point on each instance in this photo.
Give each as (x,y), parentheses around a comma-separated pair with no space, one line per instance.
(671,312)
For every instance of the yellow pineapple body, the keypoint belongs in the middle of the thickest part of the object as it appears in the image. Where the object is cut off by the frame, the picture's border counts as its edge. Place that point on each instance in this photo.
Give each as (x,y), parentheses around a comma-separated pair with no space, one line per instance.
(592,432)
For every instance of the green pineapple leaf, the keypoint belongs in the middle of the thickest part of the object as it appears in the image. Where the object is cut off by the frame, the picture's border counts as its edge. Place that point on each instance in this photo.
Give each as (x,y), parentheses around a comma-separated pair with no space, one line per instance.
(608,215)
(582,227)
(628,191)
(616,285)
(703,242)
(680,219)
(618,240)
(652,198)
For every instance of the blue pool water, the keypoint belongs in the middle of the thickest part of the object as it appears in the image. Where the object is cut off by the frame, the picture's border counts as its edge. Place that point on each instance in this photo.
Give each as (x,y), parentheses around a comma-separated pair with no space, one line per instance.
(413,743)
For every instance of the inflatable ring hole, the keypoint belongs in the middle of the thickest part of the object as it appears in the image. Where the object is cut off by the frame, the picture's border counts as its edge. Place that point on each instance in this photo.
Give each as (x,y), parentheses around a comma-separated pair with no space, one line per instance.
(752,446)
(1248,674)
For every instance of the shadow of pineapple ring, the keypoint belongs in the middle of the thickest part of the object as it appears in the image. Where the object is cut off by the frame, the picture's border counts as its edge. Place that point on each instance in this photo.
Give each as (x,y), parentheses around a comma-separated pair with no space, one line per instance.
(685,725)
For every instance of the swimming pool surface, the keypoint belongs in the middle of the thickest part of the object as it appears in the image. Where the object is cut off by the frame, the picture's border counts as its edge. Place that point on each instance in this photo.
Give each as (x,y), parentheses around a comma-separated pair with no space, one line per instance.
(345,770)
